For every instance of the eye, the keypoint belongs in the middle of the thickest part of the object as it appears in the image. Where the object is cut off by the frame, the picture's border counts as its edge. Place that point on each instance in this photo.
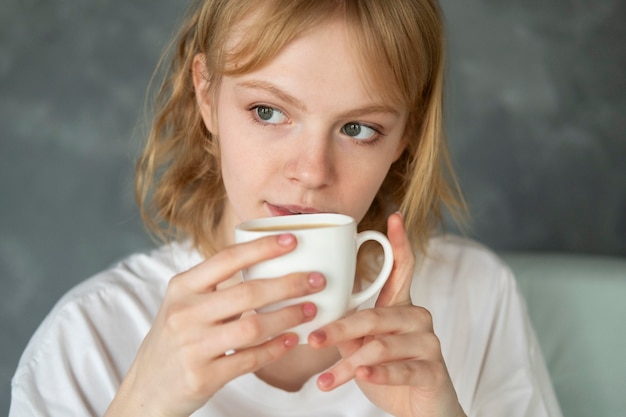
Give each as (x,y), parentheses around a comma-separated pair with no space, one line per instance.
(359,131)
(269,115)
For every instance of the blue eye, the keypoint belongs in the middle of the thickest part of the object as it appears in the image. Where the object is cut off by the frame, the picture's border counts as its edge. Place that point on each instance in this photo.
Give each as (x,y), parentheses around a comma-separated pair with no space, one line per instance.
(358,131)
(269,115)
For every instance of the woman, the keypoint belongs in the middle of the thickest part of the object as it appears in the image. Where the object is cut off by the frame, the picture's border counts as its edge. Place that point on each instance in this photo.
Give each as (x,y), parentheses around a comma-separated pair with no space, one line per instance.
(282,107)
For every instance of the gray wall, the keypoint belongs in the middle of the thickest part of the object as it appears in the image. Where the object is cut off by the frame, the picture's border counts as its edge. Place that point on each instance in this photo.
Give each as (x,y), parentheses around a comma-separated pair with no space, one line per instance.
(536,102)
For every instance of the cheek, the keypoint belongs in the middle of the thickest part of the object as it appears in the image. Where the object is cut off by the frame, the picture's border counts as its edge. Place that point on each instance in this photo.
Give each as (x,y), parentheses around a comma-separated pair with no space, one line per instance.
(244,166)
(232,163)
(362,189)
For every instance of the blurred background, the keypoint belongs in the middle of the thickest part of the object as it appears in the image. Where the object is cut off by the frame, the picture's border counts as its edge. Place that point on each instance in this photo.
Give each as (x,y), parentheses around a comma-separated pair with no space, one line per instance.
(536,98)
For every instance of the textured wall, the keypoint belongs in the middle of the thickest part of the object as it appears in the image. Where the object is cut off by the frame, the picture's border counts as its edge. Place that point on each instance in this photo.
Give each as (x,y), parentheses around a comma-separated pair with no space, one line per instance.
(536,121)
(536,104)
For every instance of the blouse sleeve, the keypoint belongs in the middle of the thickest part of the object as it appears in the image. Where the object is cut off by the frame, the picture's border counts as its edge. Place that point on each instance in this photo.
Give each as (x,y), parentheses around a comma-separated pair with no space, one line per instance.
(77,358)
(514,381)
(487,340)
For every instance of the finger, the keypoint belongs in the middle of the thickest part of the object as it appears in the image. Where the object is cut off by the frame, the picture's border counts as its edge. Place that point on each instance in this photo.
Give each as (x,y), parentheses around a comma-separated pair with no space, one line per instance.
(372,322)
(258,293)
(249,360)
(256,328)
(397,289)
(385,349)
(227,262)
(222,306)
(382,350)
(415,373)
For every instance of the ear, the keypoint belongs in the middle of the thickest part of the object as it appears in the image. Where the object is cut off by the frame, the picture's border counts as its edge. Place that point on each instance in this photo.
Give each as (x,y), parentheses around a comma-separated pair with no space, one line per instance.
(201,87)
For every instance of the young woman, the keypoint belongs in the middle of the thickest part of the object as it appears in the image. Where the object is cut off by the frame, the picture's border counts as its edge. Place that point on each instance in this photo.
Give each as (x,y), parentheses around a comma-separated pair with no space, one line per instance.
(281,107)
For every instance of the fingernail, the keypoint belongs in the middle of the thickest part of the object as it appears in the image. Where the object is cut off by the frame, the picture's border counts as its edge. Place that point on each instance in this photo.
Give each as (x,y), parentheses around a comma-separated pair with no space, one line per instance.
(291,340)
(286,239)
(309,310)
(318,336)
(316,280)
(326,380)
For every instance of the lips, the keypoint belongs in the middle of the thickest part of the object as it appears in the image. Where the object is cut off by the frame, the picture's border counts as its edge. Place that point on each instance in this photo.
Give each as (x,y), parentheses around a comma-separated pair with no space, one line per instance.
(289,209)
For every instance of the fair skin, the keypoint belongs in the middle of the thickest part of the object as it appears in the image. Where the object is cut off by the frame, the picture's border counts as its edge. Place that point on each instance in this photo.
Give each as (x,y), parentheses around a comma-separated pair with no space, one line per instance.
(301,134)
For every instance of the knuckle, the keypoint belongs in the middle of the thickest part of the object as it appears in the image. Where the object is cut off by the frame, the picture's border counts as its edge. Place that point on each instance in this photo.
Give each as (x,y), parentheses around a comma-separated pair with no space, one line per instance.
(250,361)
(276,351)
(380,348)
(175,285)
(195,384)
(287,286)
(371,314)
(251,328)
(193,380)
(406,371)
(248,292)
(198,386)
(260,356)
(175,318)
(250,252)
(298,284)
(228,255)
(439,368)
(423,315)
(432,344)
(368,321)
(338,327)
(270,352)
(372,317)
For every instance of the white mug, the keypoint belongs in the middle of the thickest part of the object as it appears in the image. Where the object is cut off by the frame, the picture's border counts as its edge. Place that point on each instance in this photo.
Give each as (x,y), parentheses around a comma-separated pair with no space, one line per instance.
(327,243)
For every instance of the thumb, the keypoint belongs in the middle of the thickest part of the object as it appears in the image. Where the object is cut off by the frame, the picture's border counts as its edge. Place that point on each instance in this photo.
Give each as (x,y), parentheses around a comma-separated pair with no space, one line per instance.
(397,289)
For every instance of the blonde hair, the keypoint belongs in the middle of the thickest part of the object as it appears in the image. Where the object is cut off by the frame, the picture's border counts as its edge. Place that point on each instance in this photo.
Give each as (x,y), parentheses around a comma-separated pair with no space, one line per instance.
(178,179)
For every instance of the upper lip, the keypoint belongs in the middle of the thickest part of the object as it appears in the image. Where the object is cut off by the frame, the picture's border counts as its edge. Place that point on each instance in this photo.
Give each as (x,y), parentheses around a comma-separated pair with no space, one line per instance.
(295,209)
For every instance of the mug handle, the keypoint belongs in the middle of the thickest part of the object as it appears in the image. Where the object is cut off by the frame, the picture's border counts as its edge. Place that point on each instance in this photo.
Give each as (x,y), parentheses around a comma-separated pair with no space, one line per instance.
(362,296)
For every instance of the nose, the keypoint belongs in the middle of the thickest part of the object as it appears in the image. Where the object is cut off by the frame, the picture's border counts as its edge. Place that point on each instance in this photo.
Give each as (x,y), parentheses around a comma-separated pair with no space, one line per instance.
(311,162)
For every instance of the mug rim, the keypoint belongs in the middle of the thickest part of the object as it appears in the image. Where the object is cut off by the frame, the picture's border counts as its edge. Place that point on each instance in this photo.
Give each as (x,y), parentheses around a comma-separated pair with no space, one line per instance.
(335,219)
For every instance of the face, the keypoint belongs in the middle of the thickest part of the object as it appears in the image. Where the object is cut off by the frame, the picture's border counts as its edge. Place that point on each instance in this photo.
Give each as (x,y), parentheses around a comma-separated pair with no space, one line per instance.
(303,134)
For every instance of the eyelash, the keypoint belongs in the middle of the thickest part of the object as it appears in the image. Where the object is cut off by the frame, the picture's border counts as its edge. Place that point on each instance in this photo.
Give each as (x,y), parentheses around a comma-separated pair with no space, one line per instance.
(377,137)
(369,142)
(254,118)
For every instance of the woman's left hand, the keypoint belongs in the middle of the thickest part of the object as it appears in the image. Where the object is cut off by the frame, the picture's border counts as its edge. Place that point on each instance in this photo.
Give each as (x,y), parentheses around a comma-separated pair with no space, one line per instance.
(391,350)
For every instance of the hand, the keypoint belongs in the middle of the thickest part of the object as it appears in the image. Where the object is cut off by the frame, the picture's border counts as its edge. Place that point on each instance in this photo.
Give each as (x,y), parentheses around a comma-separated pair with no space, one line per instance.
(182,363)
(391,350)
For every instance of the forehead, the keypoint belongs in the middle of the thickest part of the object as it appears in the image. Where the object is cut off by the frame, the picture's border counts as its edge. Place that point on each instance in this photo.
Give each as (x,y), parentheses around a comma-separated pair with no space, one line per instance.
(256,40)
(320,67)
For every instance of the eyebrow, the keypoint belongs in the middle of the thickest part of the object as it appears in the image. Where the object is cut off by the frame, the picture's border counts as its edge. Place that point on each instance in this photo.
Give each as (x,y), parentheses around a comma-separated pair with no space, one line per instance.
(374,108)
(274,90)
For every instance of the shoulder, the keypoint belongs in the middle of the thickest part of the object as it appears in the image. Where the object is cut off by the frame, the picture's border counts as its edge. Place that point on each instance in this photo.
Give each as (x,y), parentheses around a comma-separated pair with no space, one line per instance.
(453,258)
(461,280)
(486,336)
(118,303)
(79,354)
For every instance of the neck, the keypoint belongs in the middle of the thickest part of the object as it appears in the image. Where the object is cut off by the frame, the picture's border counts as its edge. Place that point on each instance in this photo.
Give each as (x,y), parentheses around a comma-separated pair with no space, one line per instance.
(293,370)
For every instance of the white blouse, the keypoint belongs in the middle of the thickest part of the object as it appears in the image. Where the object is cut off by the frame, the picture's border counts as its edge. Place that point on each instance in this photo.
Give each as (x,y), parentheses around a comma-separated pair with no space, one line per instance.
(76,360)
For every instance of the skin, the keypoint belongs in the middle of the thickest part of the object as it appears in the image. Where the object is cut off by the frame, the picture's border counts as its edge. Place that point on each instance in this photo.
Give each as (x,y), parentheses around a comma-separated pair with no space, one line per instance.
(287,138)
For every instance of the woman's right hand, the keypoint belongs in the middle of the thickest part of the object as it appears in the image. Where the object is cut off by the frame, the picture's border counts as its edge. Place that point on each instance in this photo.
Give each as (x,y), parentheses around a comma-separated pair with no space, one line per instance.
(182,363)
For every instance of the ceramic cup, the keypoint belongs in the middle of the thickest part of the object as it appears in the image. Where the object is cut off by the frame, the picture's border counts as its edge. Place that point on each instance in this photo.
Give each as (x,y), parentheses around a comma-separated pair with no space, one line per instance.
(327,243)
